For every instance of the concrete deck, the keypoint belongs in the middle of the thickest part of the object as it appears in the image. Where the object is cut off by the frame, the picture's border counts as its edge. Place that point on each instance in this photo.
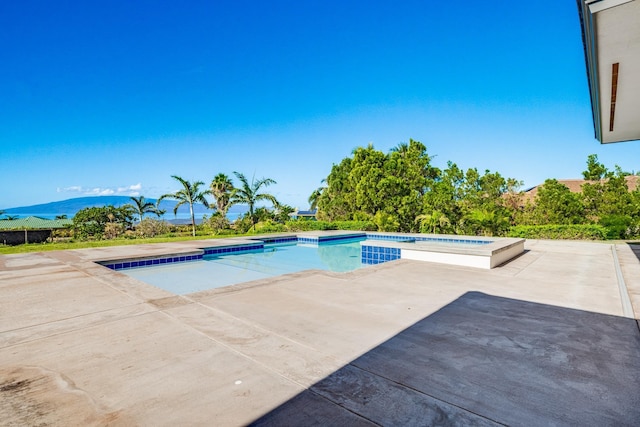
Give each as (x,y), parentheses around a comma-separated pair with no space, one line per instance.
(548,338)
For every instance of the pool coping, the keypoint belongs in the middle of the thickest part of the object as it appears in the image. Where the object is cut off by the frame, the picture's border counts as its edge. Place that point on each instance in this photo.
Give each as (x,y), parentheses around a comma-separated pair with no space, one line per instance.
(482,252)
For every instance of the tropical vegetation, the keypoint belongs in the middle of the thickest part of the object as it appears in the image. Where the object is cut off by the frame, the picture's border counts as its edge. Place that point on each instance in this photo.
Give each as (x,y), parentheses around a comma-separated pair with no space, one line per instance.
(402,191)
(249,193)
(398,191)
(190,194)
(142,206)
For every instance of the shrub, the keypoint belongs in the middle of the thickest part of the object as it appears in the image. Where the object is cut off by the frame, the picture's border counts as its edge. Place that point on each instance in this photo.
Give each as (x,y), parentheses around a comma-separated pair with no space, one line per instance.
(270,226)
(242,225)
(618,226)
(566,232)
(305,225)
(633,231)
(152,227)
(113,230)
(216,223)
(386,222)
(356,225)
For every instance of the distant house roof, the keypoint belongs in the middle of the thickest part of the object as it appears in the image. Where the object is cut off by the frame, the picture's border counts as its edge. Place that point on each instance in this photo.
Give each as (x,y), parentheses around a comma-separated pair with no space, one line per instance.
(33,223)
(575,186)
(308,214)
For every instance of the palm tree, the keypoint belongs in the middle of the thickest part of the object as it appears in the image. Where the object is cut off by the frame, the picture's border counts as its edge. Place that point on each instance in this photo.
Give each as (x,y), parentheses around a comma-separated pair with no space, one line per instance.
(315,196)
(159,212)
(189,193)
(222,190)
(491,221)
(434,221)
(282,212)
(402,148)
(249,194)
(141,206)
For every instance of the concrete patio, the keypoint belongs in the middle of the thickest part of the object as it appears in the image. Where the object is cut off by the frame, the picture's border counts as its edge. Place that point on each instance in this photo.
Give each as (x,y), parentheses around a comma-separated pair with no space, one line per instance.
(548,338)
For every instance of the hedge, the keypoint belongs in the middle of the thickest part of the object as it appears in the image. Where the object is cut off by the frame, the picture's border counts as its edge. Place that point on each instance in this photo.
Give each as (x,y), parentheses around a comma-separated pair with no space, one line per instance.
(567,232)
(306,225)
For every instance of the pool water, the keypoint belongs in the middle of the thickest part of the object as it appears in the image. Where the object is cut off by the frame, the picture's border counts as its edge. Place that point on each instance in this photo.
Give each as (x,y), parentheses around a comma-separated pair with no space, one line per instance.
(228,269)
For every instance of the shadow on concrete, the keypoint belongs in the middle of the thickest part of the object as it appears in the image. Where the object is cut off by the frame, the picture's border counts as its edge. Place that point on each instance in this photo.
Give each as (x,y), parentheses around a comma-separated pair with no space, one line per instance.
(485,360)
(635,248)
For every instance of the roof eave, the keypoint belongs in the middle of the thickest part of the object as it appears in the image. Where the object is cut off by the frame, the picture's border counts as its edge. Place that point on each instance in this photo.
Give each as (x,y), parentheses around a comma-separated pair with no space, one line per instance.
(587,24)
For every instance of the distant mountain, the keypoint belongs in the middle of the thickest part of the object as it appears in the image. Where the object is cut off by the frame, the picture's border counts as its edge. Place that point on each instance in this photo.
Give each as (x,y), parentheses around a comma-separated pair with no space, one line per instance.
(70,207)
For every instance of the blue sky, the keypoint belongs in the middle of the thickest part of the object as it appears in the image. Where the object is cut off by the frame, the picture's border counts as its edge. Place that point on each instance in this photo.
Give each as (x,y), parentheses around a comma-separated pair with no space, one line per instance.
(115,97)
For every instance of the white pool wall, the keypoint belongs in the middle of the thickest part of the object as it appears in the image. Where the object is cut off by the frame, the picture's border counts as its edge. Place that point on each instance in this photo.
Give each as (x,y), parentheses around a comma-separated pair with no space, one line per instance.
(489,255)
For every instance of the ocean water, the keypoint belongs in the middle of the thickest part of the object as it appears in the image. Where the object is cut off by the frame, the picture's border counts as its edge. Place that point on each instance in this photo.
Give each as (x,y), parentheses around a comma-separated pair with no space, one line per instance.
(181,217)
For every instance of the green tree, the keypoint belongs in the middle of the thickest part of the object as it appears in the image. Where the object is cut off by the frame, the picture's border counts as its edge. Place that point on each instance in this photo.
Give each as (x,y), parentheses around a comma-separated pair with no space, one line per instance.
(92,222)
(596,171)
(406,172)
(250,193)
(140,206)
(403,186)
(190,194)
(337,201)
(222,189)
(366,173)
(556,204)
(593,190)
(370,182)
(445,196)
(606,193)
(513,199)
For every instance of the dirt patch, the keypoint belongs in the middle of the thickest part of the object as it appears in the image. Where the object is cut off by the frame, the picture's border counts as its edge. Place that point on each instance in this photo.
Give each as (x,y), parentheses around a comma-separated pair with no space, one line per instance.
(38,397)
(169,302)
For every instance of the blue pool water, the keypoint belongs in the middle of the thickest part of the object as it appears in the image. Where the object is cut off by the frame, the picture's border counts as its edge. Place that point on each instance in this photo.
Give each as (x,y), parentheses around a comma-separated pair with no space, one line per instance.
(228,269)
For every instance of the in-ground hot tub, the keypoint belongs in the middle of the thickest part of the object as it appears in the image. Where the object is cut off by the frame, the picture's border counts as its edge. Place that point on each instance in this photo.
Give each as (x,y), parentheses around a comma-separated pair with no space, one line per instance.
(469,251)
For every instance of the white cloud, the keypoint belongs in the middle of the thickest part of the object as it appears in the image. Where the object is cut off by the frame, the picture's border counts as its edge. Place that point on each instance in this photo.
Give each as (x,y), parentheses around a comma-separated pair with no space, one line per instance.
(75,188)
(129,190)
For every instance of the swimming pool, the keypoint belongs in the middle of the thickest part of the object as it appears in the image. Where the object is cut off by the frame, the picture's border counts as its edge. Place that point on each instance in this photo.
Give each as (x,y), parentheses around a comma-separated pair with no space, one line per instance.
(234,261)
(224,269)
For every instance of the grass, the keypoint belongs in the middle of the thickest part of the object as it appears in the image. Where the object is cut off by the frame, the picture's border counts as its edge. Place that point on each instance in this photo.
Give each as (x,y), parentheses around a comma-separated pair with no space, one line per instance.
(83,244)
(59,246)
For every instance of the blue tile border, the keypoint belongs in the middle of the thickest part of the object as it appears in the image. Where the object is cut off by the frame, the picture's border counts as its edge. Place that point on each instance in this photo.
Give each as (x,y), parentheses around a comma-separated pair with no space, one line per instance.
(393,238)
(136,263)
(275,240)
(453,240)
(400,238)
(219,250)
(372,255)
(325,239)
